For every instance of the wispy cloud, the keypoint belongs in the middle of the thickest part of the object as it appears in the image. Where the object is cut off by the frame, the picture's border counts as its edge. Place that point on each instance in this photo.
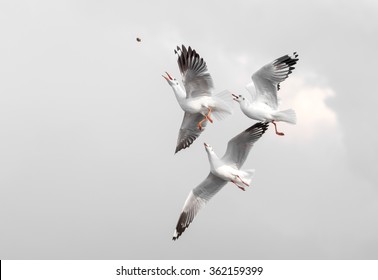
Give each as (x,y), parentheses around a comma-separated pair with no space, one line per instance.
(310,103)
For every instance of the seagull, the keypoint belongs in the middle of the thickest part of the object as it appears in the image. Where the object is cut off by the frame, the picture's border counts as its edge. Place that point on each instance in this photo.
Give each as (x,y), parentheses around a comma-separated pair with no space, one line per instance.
(222,170)
(197,100)
(263,89)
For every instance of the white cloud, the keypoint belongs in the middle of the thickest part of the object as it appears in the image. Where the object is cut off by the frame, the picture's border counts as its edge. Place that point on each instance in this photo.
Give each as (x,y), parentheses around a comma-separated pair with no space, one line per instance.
(310,103)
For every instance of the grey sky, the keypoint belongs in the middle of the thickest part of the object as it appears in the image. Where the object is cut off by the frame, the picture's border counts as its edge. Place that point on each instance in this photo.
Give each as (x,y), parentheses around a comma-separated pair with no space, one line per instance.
(89,127)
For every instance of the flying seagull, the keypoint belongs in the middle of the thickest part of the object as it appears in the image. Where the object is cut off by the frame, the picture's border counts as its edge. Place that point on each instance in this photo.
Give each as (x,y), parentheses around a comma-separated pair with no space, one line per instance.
(222,170)
(197,100)
(263,89)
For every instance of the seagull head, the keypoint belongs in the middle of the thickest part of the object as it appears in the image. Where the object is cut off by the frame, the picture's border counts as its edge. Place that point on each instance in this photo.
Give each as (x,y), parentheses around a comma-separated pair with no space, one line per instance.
(171,81)
(238,98)
(208,148)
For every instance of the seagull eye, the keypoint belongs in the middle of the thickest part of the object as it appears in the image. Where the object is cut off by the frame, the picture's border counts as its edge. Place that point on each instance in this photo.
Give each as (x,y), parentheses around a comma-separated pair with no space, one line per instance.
(239,95)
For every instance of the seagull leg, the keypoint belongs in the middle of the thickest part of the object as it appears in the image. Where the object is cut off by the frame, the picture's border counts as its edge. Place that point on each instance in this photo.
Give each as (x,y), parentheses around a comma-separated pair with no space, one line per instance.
(199,125)
(243,189)
(277,132)
(242,181)
(208,115)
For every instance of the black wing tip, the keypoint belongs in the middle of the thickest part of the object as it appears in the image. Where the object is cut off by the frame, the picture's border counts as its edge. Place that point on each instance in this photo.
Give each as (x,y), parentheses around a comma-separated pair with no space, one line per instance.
(188,58)
(258,129)
(184,144)
(174,238)
(181,226)
(187,141)
(179,148)
(183,49)
(287,59)
(286,63)
(260,125)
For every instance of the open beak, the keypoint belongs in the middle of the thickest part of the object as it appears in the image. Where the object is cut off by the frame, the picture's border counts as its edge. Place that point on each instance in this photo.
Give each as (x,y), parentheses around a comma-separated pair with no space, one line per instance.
(236,98)
(168,77)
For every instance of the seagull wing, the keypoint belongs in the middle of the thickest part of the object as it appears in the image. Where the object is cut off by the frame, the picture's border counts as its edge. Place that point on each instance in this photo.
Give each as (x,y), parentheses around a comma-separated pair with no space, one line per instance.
(196,79)
(267,80)
(197,198)
(239,146)
(189,130)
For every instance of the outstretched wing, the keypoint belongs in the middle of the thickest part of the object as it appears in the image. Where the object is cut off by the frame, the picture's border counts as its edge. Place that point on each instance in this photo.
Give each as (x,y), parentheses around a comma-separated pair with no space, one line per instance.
(196,78)
(267,80)
(189,130)
(239,146)
(197,198)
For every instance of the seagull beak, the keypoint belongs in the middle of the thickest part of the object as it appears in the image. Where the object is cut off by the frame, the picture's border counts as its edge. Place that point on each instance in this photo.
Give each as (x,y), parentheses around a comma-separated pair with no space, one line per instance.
(169,76)
(235,97)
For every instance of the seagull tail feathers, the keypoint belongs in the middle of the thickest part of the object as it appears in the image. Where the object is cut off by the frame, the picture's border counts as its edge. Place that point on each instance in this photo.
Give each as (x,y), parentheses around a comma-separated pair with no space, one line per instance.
(224,101)
(248,175)
(288,116)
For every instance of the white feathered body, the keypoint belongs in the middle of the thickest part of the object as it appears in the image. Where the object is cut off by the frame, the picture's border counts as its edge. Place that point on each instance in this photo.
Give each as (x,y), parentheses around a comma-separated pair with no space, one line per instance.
(257,111)
(219,103)
(229,172)
(262,112)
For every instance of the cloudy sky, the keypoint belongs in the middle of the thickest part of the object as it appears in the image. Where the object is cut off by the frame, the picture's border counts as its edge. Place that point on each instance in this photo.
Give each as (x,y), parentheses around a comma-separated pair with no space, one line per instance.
(88,129)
